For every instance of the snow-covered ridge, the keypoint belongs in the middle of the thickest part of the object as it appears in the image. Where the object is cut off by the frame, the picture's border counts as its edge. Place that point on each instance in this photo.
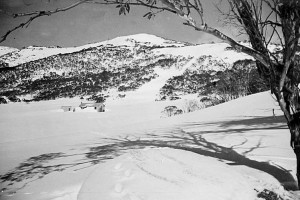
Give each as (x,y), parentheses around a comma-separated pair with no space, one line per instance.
(14,57)
(145,39)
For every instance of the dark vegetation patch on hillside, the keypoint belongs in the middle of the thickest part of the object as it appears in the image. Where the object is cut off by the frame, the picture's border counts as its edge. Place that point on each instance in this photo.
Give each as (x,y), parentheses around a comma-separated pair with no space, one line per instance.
(220,83)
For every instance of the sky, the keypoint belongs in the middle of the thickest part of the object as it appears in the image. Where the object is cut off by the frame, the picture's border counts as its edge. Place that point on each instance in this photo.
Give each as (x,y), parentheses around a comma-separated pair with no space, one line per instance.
(89,23)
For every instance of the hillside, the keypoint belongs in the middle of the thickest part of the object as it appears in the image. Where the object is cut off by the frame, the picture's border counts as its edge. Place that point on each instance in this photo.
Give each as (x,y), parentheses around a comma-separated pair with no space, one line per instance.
(122,64)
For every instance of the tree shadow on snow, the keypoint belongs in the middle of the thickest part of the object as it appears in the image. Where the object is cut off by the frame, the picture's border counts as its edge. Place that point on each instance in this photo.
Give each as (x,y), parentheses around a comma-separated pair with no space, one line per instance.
(271,122)
(32,167)
(176,138)
(194,141)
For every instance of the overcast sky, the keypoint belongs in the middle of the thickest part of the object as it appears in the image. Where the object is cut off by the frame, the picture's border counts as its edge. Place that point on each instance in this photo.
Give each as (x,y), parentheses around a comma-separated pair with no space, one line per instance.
(89,23)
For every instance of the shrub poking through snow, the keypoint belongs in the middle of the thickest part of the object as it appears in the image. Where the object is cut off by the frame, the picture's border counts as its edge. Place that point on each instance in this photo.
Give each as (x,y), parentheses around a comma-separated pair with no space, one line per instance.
(172,111)
(268,195)
(192,105)
(3,100)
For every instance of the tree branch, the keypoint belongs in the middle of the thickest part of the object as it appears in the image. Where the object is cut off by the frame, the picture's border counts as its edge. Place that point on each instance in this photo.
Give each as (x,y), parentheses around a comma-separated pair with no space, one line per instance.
(241,48)
(50,12)
(140,3)
(269,22)
(36,15)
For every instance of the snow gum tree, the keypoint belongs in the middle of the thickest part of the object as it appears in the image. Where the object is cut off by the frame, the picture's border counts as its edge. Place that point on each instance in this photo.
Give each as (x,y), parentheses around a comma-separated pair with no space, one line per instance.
(263,21)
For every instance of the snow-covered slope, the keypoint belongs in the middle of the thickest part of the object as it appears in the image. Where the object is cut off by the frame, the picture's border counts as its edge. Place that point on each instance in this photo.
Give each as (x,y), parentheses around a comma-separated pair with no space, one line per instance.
(51,153)
(217,50)
(5,50)
(31,53)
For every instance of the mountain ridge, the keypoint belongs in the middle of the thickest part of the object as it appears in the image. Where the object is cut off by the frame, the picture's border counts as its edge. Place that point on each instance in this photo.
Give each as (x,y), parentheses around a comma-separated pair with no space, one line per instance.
(14,57)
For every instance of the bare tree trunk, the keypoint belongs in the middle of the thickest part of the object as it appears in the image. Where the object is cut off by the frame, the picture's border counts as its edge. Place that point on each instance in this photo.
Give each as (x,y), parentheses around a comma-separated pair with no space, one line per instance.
(297,152)
(295,141)
(289,102)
